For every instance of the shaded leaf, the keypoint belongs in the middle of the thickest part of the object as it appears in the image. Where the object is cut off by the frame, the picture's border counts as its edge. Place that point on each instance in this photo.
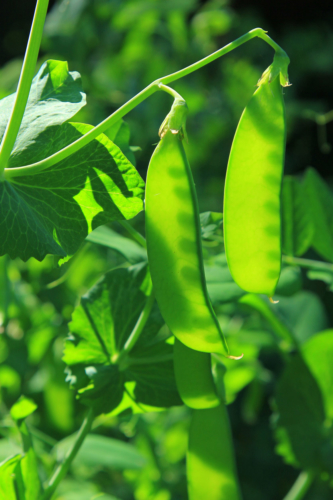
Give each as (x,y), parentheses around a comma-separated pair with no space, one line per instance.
(301,416)
(103,451)
(120,134)
(318,355)
(55,97)
(320,200)
(105,236)
(101,325)
(297,225)
(54,210)
(303,313)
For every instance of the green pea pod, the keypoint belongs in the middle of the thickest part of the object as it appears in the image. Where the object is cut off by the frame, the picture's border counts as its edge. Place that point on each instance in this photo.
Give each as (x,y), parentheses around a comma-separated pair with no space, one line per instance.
(211,470)
(174,248)
(252,226)
(194,377)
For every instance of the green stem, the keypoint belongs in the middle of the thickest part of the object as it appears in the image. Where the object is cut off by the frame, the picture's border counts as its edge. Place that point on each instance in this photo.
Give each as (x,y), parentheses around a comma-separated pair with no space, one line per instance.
(137,236)
(35,168)
(63,468)
(170,91)
(307,263)
(23,89)
(140,324)
(300,487)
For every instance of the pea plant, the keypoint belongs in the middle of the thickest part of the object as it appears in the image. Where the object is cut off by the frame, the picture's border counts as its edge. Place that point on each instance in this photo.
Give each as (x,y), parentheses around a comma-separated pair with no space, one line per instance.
(150,334)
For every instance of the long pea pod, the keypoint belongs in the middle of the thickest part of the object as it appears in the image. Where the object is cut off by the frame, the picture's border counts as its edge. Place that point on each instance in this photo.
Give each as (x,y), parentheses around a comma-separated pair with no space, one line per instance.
(174,241)
(194,377)
(211,469)
(252,220)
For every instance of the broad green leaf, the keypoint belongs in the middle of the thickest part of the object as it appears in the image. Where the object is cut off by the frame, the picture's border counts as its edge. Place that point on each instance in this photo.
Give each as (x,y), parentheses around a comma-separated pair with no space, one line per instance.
(101,325)
(220,284)
(303,313)
(290,281)
(105,236)
(70,489)
(22,408)
(320,200)
(7,477)
(318,355)
(53,211)
(55,96)
(120,134)
(297,225)
(222,288)
(304,438)
(266,310)
(103,451)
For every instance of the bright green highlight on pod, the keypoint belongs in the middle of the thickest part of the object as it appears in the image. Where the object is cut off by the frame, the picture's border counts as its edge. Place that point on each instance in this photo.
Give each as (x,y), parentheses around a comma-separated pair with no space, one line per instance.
(194,377)
(211,470)
(174,248)
(252,221)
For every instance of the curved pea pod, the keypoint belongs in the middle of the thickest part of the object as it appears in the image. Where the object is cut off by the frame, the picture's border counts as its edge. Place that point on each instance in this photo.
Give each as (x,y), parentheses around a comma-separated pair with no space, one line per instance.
(174,248)
(252,221)
(211,469)
(194,377)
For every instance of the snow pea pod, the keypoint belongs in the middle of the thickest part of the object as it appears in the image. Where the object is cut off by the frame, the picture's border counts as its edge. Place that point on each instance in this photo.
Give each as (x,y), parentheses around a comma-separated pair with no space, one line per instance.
(252,226)
(174,244)
(194,377)
(211,470)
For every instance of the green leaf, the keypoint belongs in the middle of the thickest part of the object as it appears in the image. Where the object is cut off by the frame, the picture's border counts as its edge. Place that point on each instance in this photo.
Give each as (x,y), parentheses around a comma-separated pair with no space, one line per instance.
(318,355)
(101,325)
(103,451)
(120,134)
(23,408)
(297,225)
(301,416)
(220,285)
(53,211)
(7,477)
(303,313)
(290,281)
(320,200)
(129,249)
(55,96)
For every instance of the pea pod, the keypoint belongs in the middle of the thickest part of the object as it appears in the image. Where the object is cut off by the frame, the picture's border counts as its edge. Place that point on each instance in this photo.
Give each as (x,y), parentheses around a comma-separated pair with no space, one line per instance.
(194,377)
(174,245)
(252,227)
(211,470)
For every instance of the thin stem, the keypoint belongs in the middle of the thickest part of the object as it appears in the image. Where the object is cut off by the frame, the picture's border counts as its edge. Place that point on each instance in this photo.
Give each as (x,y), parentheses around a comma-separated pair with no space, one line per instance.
(170,91)
(300,487)
(308,263)
(137,236)
(140,324)
(257,32)
(63,468)
(23,89)
(35,168)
